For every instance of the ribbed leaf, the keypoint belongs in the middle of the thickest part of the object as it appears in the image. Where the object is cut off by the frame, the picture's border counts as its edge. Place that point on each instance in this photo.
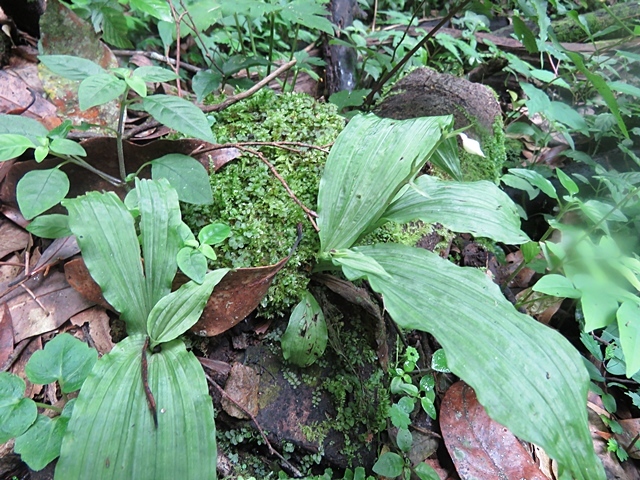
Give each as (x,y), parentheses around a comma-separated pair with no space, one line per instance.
(479,208)
(159,222)
(527,376)
(107,238)
(111,434)
(361,177)
(176,313)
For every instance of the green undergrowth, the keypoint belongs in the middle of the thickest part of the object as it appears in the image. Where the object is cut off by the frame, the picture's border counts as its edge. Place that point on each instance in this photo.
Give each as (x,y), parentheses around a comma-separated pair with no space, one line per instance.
(247,196)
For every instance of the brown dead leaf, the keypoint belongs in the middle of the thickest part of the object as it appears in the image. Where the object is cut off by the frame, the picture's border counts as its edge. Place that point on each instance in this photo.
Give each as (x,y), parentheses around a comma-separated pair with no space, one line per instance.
(52,292)
(479,446)
(628,439)
(540,306)
(60,249)
(21,92)
(242,386)
(99,329)
(236,296)
(6,334)
(12,238)
(78,276)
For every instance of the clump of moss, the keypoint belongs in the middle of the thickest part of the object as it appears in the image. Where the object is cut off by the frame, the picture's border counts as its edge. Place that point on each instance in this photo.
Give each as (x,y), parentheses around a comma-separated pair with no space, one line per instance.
(247,196)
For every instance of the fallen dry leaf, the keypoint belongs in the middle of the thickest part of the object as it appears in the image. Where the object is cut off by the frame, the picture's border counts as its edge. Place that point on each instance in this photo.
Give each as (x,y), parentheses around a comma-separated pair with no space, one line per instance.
(236,296)
(99,329)
(33,345)
(52,292)
(12,238)
(242,386)
(78,276)
(479,446)
(6,334)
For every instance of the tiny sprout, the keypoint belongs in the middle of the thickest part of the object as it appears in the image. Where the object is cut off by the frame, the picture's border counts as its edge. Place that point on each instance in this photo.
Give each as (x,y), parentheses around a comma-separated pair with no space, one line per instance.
(470,145)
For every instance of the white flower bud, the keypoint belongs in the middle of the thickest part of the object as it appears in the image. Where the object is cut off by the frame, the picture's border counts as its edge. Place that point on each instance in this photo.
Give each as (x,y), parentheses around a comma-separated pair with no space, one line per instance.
(470,145)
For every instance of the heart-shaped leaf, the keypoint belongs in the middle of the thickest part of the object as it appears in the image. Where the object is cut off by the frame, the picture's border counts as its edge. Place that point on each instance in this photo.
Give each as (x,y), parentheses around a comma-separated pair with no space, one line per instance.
(17,413)
(39,190)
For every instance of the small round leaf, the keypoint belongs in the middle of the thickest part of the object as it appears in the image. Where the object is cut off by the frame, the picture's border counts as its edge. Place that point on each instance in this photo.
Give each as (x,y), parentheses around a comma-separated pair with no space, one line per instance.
(214,233)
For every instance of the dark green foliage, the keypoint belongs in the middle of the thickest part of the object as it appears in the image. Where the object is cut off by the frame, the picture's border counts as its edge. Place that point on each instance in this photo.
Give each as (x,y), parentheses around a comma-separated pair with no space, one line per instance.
(254,203)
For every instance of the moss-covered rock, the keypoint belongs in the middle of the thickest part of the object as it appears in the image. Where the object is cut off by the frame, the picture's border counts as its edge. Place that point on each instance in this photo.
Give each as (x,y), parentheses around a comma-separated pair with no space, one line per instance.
(247,196)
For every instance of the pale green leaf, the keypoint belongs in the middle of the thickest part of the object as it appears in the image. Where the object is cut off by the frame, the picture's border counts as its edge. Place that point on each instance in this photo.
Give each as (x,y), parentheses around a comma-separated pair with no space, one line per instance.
(536,180)
(64,146)
(111,435)
(19,125)
(389,465)
(39,190)
(71,67)
(527,376)
(192,263)
(214,233)
(159,222)
(179,114)
(137,84)
(446,157)
(362,177)
(556,286)
(177,312)
(65,360)
(154,74)
(17,413)
(629,326)
(107,238)
(13,145)
(599,309)
(40,445)
(50,226)
(99,89)
(156,8)
(479,208)
(186,175)
(305,338)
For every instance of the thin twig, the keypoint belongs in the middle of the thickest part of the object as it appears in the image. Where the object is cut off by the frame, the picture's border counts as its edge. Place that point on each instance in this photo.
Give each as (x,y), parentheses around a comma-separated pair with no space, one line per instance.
(310,213)
(283,145)
(19,348)
(159,58)
(272,451)
(241,96)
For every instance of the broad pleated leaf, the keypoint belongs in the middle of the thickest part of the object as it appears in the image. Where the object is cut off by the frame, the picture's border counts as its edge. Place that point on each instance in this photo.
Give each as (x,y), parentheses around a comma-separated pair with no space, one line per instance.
(446,157)
(479,208)
(107,238)
(159,222)
(112,435)
(369,163)
(527,376)
(177,312)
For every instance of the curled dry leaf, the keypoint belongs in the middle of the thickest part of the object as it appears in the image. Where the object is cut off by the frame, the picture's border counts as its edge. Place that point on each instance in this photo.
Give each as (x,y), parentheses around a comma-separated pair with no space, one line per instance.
(479,446)
(242,386)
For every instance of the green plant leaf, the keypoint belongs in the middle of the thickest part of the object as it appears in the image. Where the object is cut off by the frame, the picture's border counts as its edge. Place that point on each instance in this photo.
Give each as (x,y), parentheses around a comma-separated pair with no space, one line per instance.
(107,238)
(602,87)
(155,74)
(389,465)
(479,208)
(446,158)
(159,222)
(629,326)
(192,263)
(19,125)
(100,89)
(50,226)
(17,413)
(214,233)
(208,252)
(136,84)
(524,34)
(186,175)
(63,146)
(65,360)
(179,311)
(13,145)
(404,440)
(361,178)
(204,82)
(556,286)
(439,361)
(156,8)
(179,114)
(536,180)
(599,309)
(305,338)
(40,445)
(537,386)
(354,263)
(426,472)
(73,68)
(39,190)
(112,401)
(309,14)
